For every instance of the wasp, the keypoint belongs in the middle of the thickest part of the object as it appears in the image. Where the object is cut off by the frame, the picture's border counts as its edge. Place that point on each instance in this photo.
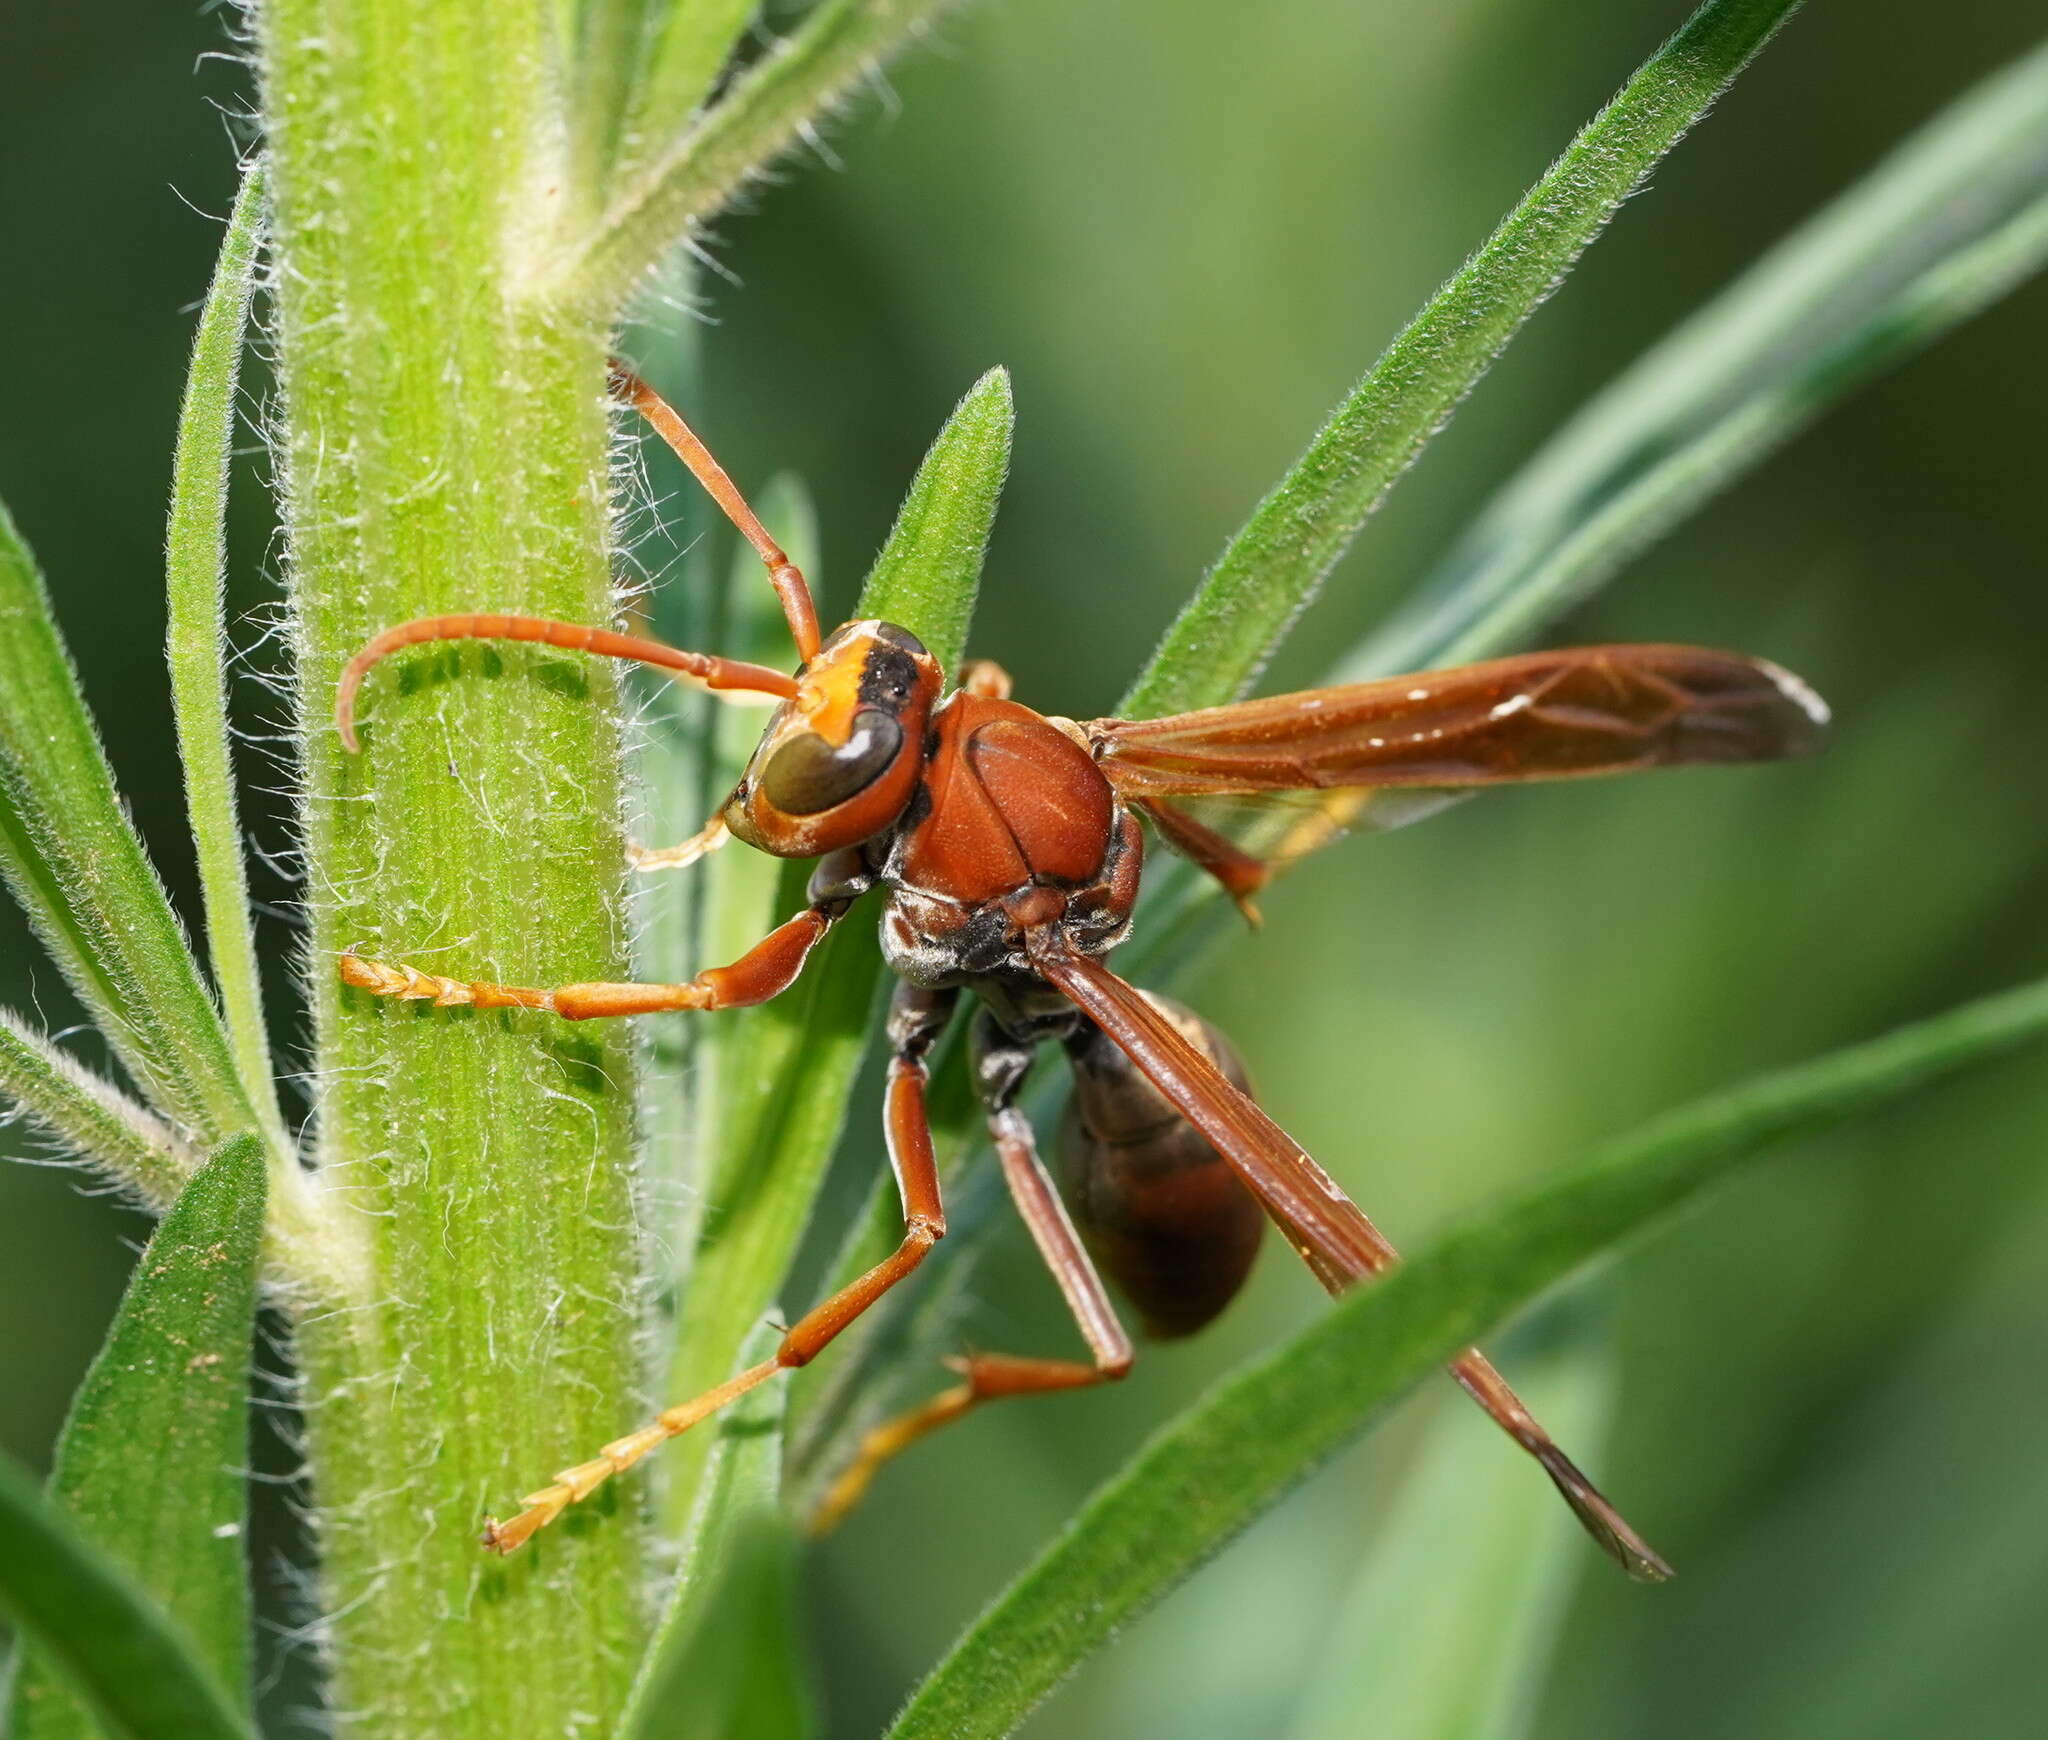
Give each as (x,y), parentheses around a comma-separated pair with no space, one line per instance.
(1008,847)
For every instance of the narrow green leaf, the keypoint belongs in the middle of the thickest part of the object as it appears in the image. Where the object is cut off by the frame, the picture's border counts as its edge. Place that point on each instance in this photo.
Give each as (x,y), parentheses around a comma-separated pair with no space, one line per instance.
(718,909)
(639,72)
(70,855)
(1272,568)
(91,1117)
(195,569)
(113,1643)
(724,1656)
(1950,222)
(1947,224)
(799,1054)
(688,49)
(1205,1476)
(796,1059)
(928,573)
(740,1677)
(309,1246)
(607,54)
(1447,1633)
(150,1463)
(769,109)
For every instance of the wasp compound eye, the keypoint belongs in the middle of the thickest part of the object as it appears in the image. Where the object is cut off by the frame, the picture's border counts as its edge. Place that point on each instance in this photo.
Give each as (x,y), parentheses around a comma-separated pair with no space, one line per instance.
(807,774)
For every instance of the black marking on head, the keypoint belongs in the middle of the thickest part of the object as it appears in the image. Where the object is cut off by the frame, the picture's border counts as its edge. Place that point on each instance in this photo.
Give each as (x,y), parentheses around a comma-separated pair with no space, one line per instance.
(888,678)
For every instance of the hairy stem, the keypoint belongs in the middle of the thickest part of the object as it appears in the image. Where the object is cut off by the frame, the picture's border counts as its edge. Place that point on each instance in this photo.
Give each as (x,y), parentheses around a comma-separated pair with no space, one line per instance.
(446,450)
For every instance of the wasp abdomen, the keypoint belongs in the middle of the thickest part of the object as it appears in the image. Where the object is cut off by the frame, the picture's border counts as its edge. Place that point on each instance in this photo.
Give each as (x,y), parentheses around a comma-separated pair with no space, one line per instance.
(1159,1209)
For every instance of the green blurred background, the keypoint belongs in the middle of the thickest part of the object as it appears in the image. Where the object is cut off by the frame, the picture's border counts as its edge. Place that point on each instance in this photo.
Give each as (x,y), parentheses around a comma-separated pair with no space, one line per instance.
(1186,228)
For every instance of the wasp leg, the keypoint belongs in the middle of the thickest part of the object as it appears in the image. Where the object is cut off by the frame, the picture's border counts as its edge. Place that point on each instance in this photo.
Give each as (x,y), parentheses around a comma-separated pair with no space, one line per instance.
(1330,1232)
(706,840)
(766,970)
(1000,1065)
(985,679)
(1241,874)
(720,676)
(909,1134)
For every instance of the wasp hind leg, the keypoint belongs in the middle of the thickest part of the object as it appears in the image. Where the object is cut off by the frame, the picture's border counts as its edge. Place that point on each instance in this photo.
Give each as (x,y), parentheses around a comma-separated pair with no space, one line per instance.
(1237,871)
(1000,1065)
(907,1128)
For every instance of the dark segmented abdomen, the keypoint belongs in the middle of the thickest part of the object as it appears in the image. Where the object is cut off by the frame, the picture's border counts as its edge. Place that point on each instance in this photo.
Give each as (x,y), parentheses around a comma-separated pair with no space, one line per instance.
(1161,1212)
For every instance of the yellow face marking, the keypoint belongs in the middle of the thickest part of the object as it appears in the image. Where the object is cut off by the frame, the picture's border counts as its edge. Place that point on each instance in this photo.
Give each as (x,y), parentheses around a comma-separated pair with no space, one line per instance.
(828,693)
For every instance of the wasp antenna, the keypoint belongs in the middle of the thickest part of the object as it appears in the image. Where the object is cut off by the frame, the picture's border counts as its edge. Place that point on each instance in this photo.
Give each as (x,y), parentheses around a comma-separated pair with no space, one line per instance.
(783,574)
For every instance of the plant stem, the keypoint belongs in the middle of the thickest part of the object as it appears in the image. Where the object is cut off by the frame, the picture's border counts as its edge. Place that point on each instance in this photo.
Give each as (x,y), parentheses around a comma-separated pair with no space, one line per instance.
(445,444)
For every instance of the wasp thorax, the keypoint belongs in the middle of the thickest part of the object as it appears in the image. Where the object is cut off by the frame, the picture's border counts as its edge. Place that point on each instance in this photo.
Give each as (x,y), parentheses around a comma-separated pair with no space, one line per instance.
(840,759)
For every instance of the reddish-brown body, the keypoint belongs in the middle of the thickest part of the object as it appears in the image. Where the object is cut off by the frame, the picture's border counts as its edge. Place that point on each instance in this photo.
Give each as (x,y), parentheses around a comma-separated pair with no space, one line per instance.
(1009,850)
(1013,829)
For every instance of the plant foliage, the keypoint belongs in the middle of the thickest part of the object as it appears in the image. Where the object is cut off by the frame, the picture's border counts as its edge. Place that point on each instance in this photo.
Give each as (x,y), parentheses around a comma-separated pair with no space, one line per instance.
(470,1265)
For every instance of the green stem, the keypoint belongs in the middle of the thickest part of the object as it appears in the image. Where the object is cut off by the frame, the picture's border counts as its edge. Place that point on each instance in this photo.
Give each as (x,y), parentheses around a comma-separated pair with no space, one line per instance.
(446,450)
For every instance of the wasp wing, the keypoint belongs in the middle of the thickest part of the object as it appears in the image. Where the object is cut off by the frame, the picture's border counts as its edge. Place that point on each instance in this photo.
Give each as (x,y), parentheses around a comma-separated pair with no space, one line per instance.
(1329,1231)
(1567,714)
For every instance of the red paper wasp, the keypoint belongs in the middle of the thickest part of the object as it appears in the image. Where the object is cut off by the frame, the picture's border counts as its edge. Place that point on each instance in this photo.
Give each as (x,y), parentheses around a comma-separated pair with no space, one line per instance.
(1008,847)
